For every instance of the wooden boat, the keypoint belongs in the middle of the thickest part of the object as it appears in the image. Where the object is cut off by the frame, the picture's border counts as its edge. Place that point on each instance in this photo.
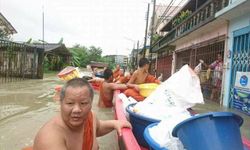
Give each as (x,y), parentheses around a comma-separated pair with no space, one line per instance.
(128,141)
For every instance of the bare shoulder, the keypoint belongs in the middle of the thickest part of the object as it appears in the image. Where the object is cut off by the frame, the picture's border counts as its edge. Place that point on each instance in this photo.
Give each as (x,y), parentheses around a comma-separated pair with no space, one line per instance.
(133,77)
(135,73)
(50,136)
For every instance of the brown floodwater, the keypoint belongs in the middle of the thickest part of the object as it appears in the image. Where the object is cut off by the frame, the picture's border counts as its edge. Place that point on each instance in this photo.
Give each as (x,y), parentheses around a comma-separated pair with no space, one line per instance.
(26,105)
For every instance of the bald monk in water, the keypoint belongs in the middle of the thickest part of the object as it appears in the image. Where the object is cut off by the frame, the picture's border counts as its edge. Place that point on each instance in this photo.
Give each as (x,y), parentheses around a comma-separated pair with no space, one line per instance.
(140,76)
(76,127)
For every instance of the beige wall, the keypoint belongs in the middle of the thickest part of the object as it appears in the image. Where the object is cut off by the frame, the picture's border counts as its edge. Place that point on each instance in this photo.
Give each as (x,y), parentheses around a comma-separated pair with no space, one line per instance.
(200,37)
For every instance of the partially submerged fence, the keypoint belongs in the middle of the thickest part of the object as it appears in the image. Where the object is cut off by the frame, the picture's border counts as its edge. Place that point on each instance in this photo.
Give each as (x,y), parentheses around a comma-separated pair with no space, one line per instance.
(19,61)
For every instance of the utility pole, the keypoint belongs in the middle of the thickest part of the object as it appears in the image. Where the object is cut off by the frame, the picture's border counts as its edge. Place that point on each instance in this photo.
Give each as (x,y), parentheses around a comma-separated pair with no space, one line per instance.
(43,39)
(137,53)
(146,33)
(152,34)
(152,26)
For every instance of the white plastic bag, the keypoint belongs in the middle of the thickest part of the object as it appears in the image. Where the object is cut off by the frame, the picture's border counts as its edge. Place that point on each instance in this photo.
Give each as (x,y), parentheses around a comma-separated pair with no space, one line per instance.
(125,102)
(197,69)
(182,90)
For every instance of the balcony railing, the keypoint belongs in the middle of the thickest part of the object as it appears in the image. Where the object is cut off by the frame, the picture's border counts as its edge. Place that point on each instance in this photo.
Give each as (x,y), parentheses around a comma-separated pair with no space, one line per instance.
(200,17)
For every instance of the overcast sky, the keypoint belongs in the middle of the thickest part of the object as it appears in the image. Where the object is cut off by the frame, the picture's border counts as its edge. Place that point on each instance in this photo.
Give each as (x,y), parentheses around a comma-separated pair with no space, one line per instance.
(113,25)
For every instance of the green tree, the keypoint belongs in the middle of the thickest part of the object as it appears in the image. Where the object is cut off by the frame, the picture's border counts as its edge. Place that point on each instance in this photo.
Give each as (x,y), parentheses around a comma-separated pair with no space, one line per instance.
(79,56)
(95,53)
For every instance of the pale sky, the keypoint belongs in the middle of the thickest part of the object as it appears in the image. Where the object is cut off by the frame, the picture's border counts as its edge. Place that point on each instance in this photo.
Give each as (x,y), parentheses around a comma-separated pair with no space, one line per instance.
(113,25)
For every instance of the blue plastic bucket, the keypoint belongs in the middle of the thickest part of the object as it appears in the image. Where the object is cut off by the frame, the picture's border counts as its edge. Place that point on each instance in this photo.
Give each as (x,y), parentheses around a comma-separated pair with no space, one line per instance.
(210,131)
(139,123)
(152,144)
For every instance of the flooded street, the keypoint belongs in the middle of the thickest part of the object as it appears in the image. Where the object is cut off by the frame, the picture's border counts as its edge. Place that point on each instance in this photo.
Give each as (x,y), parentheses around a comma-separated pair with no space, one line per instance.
(26,105)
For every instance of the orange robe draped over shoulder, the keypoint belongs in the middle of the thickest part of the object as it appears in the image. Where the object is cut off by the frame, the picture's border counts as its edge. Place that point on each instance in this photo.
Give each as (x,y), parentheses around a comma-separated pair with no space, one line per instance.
(117,74)
(88,133)
(135,94)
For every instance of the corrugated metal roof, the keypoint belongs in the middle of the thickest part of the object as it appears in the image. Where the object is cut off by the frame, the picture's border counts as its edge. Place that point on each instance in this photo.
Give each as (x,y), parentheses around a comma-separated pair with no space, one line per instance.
(53,47)
(7,25)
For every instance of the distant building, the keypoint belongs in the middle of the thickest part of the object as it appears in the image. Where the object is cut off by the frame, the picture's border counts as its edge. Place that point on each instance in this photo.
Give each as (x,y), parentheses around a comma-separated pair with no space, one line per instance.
(118,59)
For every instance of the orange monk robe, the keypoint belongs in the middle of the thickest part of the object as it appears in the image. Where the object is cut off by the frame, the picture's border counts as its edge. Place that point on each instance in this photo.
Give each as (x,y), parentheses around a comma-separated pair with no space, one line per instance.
(124,80)
(104,101)
(88,133)
(117,74)
(135,94)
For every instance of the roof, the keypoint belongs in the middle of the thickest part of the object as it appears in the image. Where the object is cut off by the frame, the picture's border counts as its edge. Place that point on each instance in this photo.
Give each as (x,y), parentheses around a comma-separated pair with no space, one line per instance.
(53,47)
(97,64)
(7,27)
(142,49)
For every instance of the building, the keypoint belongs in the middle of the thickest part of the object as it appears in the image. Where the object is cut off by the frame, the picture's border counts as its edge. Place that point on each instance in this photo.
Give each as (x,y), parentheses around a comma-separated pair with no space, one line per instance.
(237,52)
(161,61)
(201,30)
(18,60)
(56,54)
(118,59)
(6,29)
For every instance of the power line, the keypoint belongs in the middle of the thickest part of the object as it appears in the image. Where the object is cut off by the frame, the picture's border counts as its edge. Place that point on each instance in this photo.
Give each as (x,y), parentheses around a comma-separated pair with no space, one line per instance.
(164,13)
(167,10)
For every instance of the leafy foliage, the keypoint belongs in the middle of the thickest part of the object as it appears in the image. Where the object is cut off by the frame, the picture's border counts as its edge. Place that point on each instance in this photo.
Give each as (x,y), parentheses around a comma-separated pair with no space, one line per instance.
(156,37)
(82,56)
(183,15)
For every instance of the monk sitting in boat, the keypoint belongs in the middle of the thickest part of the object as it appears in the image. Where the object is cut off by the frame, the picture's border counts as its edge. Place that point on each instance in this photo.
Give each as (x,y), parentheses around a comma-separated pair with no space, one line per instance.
(117,73)
(124,79)
(76,126)
(140,76)
(107,88)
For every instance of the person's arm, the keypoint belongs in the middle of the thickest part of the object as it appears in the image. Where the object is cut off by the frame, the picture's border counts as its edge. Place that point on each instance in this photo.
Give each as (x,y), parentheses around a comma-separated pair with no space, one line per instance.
(135,86)
(104,127)
(96,79)
(115,86)
(49,140)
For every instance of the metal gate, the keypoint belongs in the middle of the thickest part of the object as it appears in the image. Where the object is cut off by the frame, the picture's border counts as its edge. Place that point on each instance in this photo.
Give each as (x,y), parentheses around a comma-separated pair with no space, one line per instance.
(19,61)
(240,56)
(208,52)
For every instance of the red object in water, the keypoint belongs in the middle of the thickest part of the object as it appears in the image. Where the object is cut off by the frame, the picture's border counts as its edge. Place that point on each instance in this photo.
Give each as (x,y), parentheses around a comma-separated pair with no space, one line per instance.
(58,88)
(66,71)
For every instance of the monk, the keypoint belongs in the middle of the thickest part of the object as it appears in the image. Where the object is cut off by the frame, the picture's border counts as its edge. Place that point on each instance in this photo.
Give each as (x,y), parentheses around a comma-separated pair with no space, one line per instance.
(117,73)
(140,76)
(124,79)
(76,126)
(107,88)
